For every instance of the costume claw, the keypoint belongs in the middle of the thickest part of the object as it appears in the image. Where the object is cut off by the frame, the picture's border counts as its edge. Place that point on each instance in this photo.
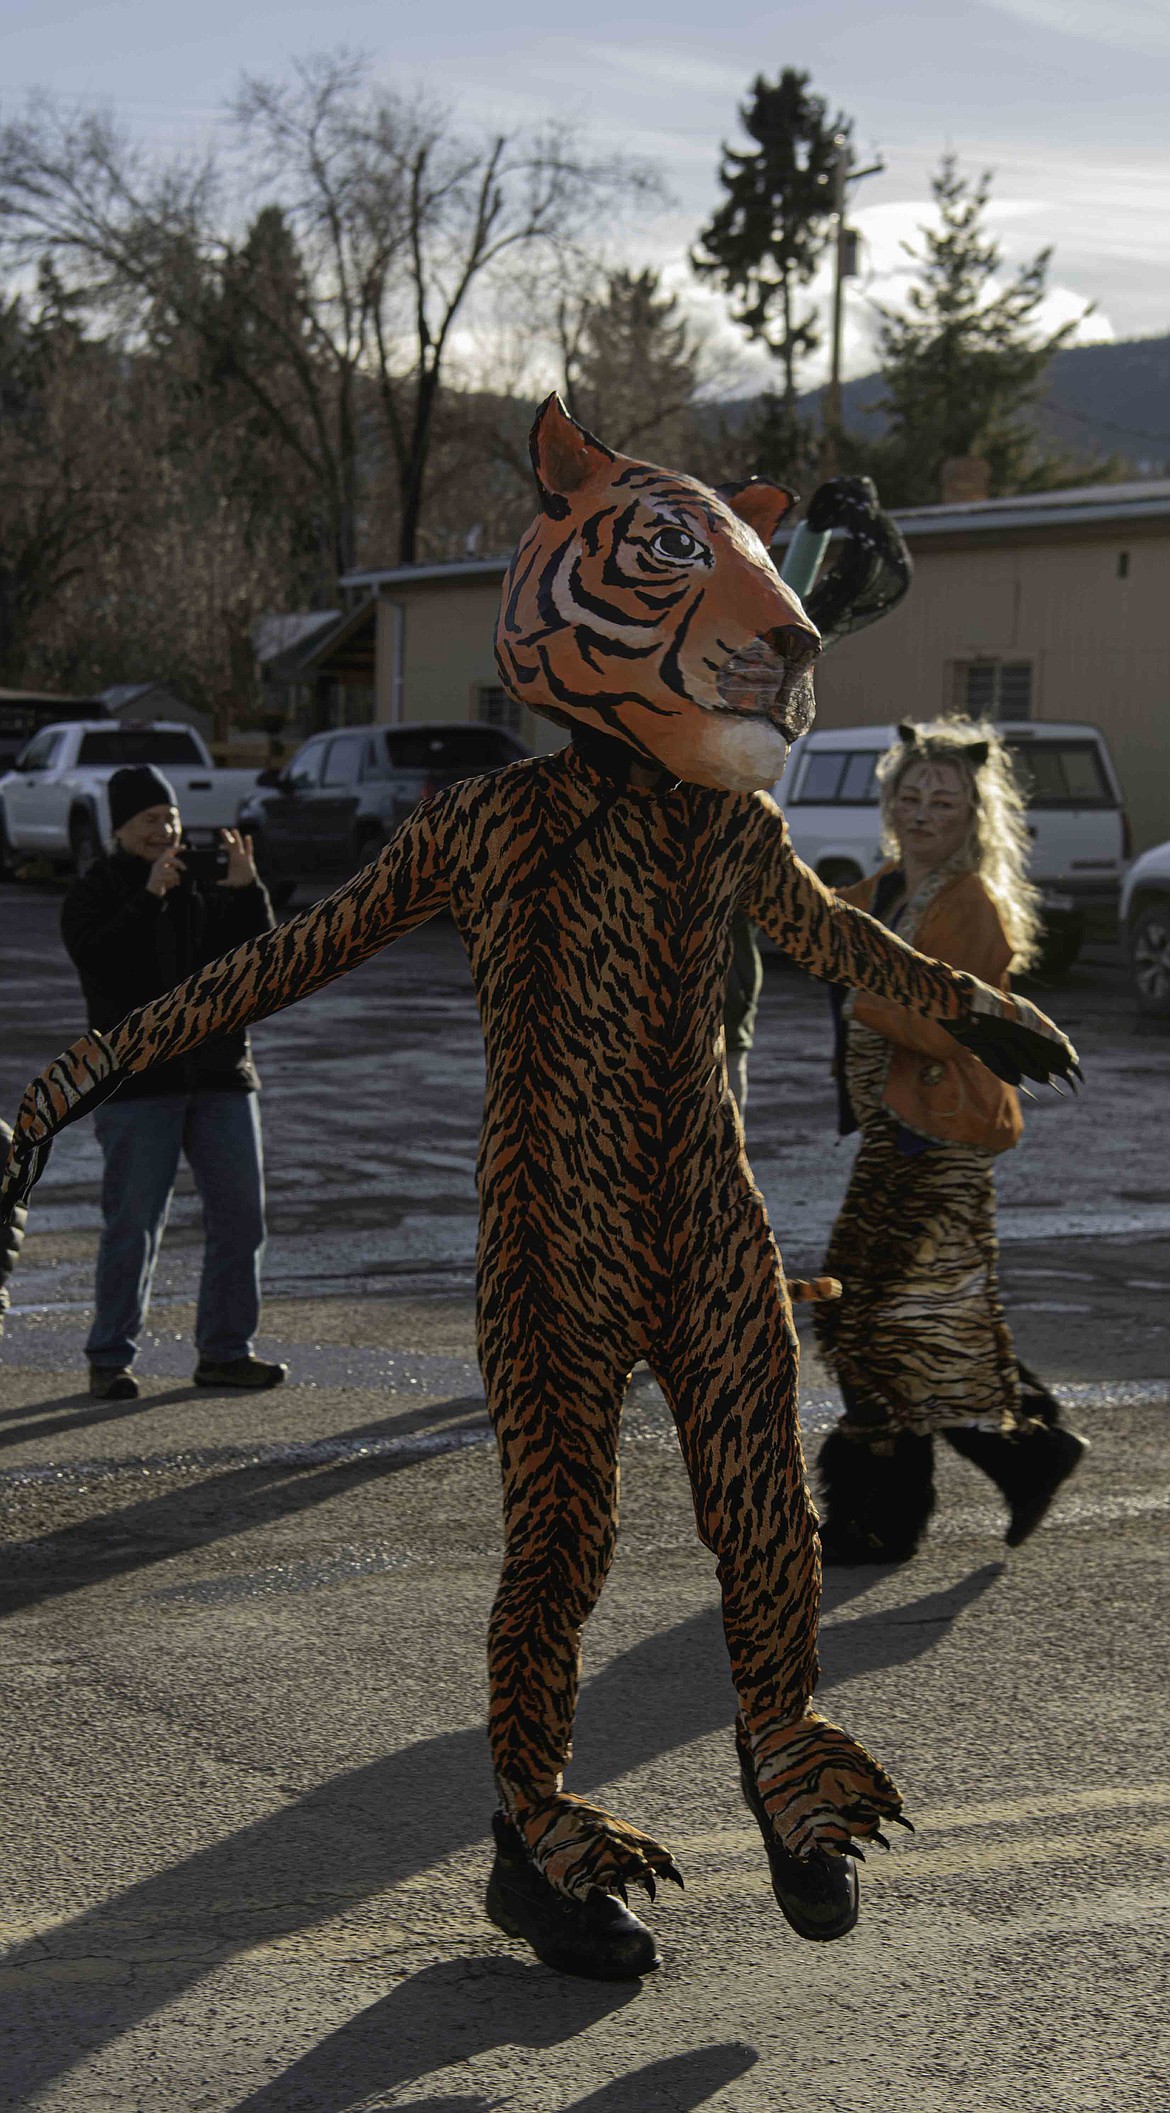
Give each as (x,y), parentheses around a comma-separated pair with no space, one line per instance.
(821,1788)
(580,1848)
(671,1870)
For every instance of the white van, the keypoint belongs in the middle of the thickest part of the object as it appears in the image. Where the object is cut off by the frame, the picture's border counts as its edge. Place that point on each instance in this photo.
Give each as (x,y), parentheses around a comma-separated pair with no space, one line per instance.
(1075,815)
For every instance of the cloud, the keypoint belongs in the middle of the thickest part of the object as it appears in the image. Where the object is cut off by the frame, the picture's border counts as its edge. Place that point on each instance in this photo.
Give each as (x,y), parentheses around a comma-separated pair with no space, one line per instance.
(1126,25)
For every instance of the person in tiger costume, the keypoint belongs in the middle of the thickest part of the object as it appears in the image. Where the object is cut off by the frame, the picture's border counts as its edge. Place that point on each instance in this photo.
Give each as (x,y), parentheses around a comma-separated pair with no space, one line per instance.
(919,1343)
(594,890)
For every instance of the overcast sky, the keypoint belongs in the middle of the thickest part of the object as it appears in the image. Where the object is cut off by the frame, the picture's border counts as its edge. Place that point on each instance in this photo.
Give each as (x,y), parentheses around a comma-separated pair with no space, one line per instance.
(1066,100)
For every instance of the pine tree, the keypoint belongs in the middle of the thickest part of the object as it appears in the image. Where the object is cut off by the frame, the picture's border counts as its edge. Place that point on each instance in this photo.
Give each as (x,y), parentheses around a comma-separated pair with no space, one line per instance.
(632,369)
(766,240)
(963,364)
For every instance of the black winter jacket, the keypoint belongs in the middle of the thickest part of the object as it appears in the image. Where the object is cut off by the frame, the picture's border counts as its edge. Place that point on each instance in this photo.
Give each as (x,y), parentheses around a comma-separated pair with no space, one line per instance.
(129,946)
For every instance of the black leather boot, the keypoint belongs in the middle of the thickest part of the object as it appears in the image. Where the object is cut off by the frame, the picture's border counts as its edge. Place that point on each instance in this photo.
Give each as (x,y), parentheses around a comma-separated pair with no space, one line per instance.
(1037,1401)
(597,1937)
(818,1896)
(1027,1466)
(877,1497)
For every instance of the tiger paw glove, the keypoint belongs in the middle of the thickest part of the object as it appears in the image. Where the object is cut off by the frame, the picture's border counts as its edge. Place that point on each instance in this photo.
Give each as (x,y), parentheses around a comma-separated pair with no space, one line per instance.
(1014,1039)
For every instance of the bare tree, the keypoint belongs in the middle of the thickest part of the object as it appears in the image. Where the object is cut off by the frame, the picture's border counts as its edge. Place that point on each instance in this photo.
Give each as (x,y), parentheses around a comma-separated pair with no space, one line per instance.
(334,315)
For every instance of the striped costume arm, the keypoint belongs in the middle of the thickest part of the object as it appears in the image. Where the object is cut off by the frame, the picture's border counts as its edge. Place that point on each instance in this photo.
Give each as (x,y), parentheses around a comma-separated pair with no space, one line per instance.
(842,944)
(404,886)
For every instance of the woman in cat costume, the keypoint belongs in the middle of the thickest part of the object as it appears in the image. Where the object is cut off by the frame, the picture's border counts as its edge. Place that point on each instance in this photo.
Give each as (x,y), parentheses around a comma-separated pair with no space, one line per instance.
(919,1343)
(594,890)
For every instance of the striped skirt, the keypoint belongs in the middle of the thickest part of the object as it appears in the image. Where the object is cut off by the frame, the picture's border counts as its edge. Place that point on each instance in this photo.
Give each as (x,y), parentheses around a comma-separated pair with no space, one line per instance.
(918,1339)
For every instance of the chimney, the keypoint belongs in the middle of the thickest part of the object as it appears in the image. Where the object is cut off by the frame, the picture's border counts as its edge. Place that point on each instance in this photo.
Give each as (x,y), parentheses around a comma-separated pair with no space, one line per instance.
(964,478)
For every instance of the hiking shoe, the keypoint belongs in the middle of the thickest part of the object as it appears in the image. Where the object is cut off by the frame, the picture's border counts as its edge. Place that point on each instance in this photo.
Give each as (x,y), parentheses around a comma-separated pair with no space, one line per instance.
(248,1372)
(112,1383)
(597,1937)
(817,1895)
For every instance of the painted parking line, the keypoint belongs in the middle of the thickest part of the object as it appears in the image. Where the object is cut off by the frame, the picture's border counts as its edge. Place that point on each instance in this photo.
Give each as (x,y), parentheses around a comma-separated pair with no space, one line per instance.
(998,1812)
(917,1862)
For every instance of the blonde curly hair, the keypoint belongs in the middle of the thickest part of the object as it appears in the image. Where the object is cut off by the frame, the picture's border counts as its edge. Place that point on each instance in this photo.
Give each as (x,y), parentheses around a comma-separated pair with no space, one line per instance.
(998,846)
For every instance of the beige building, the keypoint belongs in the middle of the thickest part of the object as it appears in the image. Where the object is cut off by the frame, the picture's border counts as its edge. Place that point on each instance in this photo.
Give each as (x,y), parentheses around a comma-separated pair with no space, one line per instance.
(1051,606)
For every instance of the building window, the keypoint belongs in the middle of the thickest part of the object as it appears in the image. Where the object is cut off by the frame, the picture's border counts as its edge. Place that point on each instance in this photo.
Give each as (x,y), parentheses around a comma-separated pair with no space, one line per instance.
(496,707)
(992,689)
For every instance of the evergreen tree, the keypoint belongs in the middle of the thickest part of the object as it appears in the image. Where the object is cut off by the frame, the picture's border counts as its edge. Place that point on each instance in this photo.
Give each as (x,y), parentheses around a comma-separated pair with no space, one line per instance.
(766,240)
(963,364)
(632,369)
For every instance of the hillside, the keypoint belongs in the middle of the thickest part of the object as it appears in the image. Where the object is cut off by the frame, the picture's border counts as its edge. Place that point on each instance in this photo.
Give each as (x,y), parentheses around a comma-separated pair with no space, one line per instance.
(1101,400)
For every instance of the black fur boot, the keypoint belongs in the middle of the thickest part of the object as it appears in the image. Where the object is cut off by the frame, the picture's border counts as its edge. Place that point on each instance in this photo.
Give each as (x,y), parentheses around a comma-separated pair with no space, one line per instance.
(1036,1400)
(1027,1466)
(877,1497)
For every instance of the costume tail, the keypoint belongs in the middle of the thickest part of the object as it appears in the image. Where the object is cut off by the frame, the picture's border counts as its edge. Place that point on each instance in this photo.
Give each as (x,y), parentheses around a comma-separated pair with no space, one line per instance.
(812,1291)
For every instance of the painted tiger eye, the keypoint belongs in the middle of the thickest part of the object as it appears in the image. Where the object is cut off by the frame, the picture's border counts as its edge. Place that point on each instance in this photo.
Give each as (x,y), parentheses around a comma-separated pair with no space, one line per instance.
(676,543)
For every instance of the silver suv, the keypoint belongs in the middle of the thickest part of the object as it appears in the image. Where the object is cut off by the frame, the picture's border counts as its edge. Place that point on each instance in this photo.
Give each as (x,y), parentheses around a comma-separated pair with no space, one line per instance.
(1076,818)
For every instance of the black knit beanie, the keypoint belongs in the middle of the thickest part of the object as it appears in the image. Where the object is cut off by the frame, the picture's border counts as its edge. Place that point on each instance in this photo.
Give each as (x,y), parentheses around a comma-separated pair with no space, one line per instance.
(139,785)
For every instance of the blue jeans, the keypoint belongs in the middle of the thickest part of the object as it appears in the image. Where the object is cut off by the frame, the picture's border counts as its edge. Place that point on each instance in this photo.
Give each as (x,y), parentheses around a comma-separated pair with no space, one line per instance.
(141,1141)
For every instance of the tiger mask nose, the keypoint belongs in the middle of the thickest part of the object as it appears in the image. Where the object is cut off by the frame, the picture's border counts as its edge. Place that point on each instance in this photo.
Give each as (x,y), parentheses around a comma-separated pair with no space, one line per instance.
(772,678)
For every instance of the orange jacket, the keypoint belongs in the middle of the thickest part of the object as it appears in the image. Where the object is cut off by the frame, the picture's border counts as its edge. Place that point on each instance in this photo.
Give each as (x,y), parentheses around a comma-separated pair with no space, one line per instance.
(933,1085)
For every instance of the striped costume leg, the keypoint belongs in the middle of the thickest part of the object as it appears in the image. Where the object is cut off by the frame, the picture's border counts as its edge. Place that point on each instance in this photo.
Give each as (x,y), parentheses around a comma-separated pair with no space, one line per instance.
(727,1359)
(555,1397)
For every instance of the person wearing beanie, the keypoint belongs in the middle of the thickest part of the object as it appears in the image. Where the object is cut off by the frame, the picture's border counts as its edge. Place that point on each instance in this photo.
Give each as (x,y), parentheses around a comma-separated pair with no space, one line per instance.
(133,925)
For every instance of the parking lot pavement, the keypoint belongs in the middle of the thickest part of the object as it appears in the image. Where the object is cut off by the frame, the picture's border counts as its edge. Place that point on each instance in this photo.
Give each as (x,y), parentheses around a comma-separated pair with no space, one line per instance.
(246,1789)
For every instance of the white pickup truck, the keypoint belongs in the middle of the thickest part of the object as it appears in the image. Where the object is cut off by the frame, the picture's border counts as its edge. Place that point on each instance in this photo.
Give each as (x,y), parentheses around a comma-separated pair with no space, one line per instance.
(54,803)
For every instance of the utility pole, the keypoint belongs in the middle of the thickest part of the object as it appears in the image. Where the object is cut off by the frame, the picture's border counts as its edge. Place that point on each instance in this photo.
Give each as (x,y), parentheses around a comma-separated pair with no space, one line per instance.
(845,267)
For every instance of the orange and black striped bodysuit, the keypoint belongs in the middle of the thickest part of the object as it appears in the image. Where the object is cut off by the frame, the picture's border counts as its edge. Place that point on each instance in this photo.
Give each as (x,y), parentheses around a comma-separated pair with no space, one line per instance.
(619,1220)
(618,1216)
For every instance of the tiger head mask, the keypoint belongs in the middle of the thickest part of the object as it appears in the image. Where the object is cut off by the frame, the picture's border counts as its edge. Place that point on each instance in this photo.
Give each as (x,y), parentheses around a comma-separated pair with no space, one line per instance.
(645,606)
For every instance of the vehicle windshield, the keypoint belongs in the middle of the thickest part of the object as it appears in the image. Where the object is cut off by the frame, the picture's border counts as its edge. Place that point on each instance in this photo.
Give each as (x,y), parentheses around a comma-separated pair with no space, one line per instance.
(1060,773)
(138,744)
(459,748)
(837,777)
(1056,773)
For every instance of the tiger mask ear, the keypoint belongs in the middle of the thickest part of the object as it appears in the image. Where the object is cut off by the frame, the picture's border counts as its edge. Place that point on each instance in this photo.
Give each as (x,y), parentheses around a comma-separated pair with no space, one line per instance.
(564,456)
(759,502)
(907,733)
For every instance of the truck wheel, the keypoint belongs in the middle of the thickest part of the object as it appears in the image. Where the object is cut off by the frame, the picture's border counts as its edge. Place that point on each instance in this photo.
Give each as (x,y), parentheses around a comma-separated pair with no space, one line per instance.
(1149,953)
(85,843)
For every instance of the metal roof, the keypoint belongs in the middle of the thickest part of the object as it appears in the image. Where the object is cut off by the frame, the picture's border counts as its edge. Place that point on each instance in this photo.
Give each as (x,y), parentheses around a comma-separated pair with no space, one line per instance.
(883,736)
(1082,506)
(273,636)
(411,575)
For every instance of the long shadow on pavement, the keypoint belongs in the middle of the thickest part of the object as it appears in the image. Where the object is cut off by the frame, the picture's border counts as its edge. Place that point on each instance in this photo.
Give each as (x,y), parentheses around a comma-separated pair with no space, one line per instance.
(155,1530)
(372,1827)
(454,2013)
